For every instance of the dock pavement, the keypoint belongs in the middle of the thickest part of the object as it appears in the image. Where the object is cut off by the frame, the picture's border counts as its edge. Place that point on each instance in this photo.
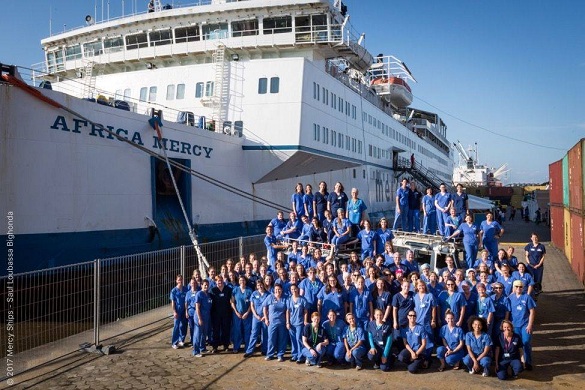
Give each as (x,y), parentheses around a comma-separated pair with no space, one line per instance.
(145,360)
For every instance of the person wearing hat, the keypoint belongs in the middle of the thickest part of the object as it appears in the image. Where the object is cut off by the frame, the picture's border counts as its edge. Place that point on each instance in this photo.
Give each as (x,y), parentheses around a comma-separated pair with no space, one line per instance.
(425,274)
(522,313)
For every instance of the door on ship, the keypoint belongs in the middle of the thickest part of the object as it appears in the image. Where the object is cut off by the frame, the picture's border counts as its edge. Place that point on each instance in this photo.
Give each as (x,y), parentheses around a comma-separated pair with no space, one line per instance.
(166,209)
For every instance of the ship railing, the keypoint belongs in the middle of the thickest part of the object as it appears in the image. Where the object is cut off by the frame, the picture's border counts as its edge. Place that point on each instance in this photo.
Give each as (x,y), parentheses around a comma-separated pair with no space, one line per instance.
(58,311)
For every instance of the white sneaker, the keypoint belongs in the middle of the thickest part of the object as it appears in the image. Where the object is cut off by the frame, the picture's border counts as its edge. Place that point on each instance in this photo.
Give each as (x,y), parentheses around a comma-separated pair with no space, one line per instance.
(198,355)
(471,372)
(181,344)
(175,346)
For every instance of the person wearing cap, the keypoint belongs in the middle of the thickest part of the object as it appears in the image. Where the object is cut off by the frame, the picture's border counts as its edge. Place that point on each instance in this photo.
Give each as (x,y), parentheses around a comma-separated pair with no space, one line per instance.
(425,273)
(470,277)
(501,306)
(522,313)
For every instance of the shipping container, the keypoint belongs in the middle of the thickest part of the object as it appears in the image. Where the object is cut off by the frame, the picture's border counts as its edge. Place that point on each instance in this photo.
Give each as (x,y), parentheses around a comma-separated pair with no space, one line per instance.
(500,191)
(557,227)
(555,179)
(568,233)
(578,249)
(575,156)
(566,180)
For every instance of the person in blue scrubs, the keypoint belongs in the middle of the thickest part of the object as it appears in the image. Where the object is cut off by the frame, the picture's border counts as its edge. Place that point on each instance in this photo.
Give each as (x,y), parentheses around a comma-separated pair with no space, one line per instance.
(380,337)
(479,346)
(402,303)
(177,298)
(369,240)
(452,222)
(272,246)
(460,202)
(535,253)
(341,230)
(443,202)
(354,341)
(385,236)
(310,288)
(401,212)
(470,239)
(381,299)
(337,199)
(293,228)
(259,328)
(489,233)
(523,275)
(429,212)
(333,297)
(452,350)
(315,341)
(425,308)
(356,212)
(275,315)
(320,201)
(298,204)
(522,313)
(334,329)
(308,201)
(190,306)
(201,317)
(242,316)
(501,306)
(485,307)
(278,224)
(298,317)
(415,352)
(452,300)
(360,303)
(508,352)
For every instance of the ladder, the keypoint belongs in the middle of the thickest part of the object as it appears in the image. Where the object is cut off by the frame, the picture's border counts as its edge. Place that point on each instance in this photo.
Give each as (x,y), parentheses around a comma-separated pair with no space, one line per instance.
(157,6)
(88,79)
(221,90)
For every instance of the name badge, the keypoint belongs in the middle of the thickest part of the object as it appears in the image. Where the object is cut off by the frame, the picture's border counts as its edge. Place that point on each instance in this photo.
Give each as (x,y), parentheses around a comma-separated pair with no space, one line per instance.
(380,343)
(221,295)
(422,305)
(519,307)
(506,355)
(296,305)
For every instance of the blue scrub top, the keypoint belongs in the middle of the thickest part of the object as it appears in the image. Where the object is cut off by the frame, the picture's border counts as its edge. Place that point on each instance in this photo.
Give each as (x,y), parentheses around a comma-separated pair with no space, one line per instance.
(478,344)
(311,290)
(332,301)
(455,302)
(258,301)
(485,306)
(404,305)
(204,301)
(361,307)
(367,239)
(469,233)
(354,336)
(403,194)
(383,237)
(429,203)
(335,331)
(459,202)
(297,310)
(535,253)
(452,337)
(178,296)
(241,298)
(423,308)
(415,336)
(520,309)
(276,309)
(501,306)
(490,230)
(355,210)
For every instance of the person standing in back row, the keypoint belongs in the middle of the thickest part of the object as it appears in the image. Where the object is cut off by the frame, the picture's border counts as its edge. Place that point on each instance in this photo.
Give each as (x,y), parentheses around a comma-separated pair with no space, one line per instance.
(402,195)
(461,202)
(414,200)
(443,202)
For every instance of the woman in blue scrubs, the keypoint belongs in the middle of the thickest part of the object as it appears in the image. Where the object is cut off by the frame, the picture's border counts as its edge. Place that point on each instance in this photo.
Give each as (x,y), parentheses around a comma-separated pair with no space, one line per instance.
(415,352)
(470,239)
(479,345)
(452,350)
(489,233)
(335,329)
(380,337)
(508,352)
(315,341)
(242,317)
(332,297)
(259,327)
(298,317)
(201,318)
(275,314)
(354,341)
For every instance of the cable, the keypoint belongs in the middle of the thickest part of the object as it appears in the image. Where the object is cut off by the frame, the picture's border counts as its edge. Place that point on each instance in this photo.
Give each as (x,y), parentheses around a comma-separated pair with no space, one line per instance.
(488,130)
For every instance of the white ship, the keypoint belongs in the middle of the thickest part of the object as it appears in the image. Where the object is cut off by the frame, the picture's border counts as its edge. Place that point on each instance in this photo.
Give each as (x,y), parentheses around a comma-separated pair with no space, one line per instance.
(254,95)
(470,172)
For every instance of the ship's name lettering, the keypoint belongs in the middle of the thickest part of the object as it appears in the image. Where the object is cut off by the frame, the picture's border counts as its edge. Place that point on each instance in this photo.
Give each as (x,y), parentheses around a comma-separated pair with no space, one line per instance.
(80,126)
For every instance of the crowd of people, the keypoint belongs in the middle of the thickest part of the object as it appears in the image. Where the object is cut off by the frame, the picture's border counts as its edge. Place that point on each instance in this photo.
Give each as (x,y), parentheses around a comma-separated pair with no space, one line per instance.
(376,306)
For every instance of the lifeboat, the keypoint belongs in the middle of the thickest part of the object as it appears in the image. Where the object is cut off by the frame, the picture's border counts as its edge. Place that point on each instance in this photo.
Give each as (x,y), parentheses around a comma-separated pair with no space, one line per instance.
(394,89)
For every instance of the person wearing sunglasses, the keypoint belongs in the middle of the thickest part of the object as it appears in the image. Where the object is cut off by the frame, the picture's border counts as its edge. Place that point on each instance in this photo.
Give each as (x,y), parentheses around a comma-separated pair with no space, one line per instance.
(415,352)
(522,313)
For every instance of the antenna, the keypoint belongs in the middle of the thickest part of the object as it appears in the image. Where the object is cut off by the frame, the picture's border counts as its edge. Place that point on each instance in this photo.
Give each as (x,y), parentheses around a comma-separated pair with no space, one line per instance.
(50,21)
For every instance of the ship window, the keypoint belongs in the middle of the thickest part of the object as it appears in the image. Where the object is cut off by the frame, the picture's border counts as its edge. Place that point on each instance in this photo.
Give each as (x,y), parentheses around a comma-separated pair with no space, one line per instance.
(127,93)
(180,91)
(112,45)
(55,60)
(171,92)
(187,34)
(333,138)
(370,150)
(316,132)
(198,90)
(332,99)
(360,147)
(244,28)
(315,91)
(277,25)
(73,52)
(136,41)
(209,88)
(340,140)
(215,31)
(325,135)
(347,144)
(262,85)
(274,84)
(152,94)
(143,92)
(353,149)
(91,49)
(160,37)
(340,105)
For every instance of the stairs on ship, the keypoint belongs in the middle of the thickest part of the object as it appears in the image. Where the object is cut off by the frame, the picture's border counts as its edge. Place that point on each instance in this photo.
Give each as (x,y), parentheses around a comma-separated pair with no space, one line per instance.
(421,174)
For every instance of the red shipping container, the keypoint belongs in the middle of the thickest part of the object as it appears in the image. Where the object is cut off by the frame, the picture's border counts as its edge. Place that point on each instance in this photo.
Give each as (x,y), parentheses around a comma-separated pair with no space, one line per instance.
(557,226)
(576,177)
(555,177)
(500,191)
(578,246)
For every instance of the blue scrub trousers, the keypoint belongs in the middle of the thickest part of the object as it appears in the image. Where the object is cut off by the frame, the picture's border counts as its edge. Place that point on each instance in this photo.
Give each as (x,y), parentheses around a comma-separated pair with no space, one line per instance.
(441,220)
(377,358)
(492,248)
(502,369)
(312,359)
(401,214)
(338,240)
(485,362)
(414,220)
(199,335)
(179,328)
(430,223)
(296,341)
(527,341)
(259,329)
(241,330)
(453,358)
(470,254)
(277,339)
(357,356)
(335,351)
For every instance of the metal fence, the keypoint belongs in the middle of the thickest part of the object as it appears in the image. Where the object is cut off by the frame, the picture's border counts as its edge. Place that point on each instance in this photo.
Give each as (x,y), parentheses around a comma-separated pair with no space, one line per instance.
(57,303)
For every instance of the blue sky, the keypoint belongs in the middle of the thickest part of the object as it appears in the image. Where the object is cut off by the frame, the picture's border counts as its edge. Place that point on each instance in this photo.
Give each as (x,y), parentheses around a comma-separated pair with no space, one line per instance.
(509,75)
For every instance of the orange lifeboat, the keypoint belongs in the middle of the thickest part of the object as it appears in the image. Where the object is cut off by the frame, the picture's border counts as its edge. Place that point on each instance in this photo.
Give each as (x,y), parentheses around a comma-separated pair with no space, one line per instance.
(394,89)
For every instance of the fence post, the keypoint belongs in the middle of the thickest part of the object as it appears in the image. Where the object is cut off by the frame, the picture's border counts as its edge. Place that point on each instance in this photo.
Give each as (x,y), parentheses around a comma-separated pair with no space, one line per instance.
(241,247)
(183,261)
(96,302)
